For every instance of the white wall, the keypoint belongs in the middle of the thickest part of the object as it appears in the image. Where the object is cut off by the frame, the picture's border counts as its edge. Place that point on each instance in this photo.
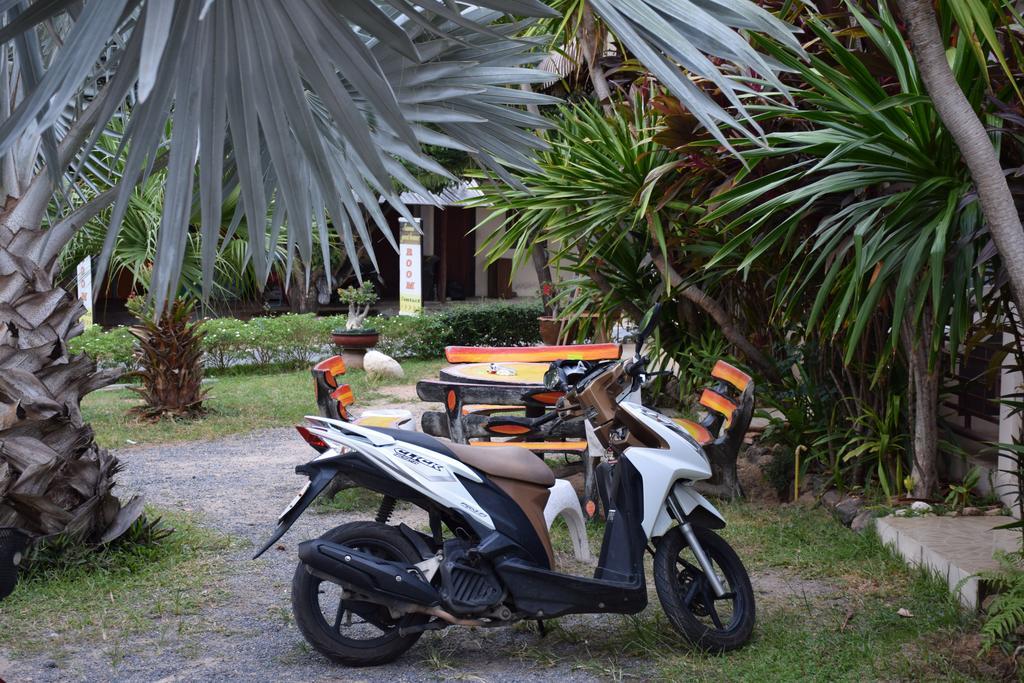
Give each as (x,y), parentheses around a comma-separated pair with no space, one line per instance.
(524,282)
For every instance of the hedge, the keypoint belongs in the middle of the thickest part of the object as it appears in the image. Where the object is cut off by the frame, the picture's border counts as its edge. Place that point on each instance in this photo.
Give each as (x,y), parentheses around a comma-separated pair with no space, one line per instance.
(298,340)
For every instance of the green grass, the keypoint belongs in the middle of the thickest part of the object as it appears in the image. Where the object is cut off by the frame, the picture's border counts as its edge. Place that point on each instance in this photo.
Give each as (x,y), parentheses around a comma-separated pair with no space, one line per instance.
(349,500)
(237,403)
(835,619)
(117,592)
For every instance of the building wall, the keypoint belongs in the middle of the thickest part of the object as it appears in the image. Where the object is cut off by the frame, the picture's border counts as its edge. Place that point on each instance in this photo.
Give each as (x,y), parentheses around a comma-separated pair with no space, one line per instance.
(1009,431)
(524,282)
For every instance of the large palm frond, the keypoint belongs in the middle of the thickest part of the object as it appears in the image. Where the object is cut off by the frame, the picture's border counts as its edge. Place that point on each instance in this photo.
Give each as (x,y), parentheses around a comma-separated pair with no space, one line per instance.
(308,105)
(314,106)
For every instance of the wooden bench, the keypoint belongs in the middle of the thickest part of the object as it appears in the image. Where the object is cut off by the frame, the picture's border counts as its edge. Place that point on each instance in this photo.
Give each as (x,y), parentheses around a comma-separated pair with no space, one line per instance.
(333,398)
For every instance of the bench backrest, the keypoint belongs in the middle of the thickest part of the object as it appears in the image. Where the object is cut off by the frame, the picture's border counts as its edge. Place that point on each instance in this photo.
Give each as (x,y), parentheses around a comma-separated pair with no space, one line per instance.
(532,354)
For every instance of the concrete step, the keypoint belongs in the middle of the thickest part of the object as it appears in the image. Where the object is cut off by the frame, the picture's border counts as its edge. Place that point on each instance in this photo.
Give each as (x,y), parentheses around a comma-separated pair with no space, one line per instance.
(955,548)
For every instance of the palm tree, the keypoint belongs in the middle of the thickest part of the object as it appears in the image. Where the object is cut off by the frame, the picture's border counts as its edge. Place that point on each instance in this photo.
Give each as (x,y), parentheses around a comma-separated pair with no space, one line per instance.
(315,107)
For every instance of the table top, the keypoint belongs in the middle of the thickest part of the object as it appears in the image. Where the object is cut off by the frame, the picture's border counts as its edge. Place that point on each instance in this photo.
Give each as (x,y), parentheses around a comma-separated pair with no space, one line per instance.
(527,374)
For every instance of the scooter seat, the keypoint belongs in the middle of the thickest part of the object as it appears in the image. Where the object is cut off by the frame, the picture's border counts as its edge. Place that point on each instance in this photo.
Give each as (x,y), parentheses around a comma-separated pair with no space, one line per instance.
(509,462)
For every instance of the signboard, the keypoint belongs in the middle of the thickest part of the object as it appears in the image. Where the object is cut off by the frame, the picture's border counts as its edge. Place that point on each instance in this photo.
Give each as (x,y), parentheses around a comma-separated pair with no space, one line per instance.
(410,264)
(85,288)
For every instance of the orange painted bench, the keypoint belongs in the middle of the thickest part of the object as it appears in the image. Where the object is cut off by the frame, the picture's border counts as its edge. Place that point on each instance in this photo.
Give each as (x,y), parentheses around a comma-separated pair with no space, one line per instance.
(333,399)
(537,446)
(532,354)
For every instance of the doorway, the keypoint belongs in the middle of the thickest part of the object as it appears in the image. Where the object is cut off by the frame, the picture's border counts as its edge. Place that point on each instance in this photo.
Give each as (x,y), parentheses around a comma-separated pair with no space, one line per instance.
(454,243)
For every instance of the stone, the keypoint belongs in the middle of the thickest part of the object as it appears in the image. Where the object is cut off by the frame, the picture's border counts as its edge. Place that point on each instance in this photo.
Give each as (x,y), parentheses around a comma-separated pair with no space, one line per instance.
(862,521)
(902,512)
(920,506)
(971,512)
(807,499)
(831,498)
(993,512)
(379,365)
(847,509)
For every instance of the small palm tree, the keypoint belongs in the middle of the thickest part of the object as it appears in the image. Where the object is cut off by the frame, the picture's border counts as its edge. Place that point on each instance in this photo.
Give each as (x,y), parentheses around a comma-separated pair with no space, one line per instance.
(308,109)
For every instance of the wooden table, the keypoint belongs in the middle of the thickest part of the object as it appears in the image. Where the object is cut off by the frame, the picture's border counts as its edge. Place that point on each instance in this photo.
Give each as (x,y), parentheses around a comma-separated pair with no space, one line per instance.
(527,375)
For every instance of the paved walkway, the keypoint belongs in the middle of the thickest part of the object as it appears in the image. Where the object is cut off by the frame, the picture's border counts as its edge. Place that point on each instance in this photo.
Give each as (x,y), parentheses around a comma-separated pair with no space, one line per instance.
(956,548)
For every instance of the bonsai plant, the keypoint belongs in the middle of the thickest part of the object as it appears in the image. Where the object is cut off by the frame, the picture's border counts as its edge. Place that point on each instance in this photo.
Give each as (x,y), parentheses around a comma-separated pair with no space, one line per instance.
(354,340)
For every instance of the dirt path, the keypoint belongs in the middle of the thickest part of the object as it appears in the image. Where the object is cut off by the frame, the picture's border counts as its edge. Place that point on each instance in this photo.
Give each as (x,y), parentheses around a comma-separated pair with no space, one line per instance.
(238,486)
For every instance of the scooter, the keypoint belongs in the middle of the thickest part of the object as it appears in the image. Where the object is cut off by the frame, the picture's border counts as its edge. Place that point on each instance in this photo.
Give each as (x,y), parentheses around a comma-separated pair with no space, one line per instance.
(364,592)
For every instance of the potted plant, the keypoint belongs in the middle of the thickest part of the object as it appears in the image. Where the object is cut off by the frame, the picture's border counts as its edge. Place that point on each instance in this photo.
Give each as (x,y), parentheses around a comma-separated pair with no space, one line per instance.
(354,340)
(549,323)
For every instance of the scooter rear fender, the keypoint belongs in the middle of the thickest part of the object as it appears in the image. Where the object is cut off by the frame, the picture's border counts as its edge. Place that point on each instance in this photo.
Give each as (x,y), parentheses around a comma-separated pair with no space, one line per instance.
(320,473)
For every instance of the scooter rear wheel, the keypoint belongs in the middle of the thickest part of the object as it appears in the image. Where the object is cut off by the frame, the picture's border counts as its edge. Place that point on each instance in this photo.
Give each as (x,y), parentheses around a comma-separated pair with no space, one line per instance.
(354,632)
(707,621)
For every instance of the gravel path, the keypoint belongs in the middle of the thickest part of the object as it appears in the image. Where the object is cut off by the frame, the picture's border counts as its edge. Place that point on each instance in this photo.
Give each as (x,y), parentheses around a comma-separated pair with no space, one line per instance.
(238,486)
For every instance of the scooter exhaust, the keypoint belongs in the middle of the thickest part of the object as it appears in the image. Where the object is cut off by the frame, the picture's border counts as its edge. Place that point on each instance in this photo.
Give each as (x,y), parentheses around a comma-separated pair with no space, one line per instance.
(367,574)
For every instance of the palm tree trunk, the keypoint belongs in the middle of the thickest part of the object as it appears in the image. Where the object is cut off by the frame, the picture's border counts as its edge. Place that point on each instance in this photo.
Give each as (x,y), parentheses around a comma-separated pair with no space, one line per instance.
(53,476)
(969,133)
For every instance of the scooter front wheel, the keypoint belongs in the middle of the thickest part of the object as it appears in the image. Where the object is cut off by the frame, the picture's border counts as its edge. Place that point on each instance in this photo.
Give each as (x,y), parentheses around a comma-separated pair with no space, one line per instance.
(712,623)
(354,632)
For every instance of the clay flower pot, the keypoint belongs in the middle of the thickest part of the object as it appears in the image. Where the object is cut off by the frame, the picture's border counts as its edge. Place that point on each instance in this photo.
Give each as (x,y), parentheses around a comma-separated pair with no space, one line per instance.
(549,329)
(354,344)
(355,339)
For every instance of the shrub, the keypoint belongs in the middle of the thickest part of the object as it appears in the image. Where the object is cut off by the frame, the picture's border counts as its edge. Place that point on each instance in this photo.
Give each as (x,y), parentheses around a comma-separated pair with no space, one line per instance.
(299,340)
(497,324)
(112,348)
(226,341)
(289,339)
(409,337)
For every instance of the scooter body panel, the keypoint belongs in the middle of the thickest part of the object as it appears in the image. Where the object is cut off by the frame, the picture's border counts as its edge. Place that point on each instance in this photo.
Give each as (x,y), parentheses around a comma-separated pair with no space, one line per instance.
(662,468)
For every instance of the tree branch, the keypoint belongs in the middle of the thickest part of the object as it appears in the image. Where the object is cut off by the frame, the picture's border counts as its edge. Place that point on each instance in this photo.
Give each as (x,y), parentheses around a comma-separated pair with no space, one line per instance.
(712,308)
(969,133)
(592,44)
(598,279)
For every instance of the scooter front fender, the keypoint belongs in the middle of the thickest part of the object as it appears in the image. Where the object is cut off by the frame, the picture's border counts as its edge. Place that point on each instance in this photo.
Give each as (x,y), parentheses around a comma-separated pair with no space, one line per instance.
(319,478)
(697,508)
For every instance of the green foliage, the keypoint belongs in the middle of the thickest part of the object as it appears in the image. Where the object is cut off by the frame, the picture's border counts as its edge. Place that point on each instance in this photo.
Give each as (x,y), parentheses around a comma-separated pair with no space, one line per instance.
(363,295)
(355,499)
(62,554)
(497,324)
(695,355)
(878,437)
(1005,616)
(779,471)
(867,194)
(412,337)
(297,340)
(109,348)
(960,493)
(291,340)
